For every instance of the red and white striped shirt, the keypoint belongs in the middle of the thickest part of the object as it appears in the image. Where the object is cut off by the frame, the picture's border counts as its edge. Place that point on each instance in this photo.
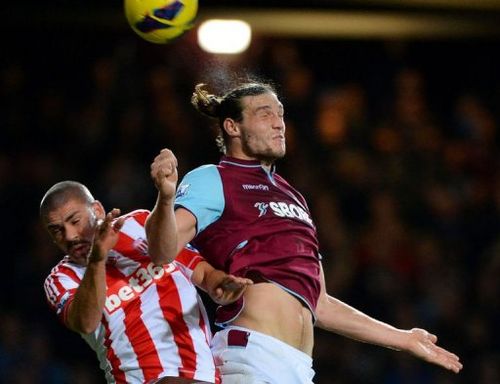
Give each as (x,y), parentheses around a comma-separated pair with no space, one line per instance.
(154,323)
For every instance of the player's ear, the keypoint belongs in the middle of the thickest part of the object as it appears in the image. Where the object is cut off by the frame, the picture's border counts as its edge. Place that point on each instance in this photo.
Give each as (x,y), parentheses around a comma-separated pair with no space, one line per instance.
(98,210)
(231,127)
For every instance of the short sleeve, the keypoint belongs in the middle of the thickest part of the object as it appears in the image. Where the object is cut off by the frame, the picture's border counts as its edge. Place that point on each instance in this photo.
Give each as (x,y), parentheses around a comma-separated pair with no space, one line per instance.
(201,192)
(60,288)
(140,215)
(189,257)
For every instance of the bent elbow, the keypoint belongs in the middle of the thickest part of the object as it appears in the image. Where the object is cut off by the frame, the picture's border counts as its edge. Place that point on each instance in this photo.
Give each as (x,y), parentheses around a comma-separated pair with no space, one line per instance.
(161,263)
(84,328)
(160,258)
(88,330)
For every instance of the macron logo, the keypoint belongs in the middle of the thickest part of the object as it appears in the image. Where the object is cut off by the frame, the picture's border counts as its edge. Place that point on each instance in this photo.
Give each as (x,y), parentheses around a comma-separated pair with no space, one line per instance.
(251,187)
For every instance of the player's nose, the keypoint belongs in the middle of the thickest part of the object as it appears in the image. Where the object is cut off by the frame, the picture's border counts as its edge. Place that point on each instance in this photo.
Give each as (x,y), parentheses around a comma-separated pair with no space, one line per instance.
(71,233)
(278,123)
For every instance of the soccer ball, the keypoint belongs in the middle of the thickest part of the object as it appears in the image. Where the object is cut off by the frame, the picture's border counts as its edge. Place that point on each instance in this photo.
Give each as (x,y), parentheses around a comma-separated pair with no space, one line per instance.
(161,21)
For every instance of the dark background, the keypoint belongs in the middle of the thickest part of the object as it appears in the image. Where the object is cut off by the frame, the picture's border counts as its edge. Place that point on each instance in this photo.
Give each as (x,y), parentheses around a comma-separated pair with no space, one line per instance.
(392,139)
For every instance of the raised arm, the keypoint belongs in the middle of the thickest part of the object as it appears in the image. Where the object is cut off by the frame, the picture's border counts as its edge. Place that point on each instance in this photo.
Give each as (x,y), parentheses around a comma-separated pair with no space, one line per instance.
(161,225)
(85,310)
(200,194)
(336,316)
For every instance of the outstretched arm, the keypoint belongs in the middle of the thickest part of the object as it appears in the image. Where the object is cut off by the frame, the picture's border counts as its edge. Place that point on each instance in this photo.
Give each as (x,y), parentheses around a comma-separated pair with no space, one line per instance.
(85,311)
(222,288)
(336,316)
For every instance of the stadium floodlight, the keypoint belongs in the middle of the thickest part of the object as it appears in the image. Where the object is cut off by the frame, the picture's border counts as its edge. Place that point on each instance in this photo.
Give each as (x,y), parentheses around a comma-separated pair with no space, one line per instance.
(224,36)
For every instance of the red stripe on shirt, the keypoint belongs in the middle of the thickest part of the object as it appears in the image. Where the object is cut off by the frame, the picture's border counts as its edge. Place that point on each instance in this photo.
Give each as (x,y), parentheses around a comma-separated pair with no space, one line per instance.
(68,272)
(50,290)
(113,359)
(171,306)
(140,215)
(142,343)
(203,327)
(125,246)
(63,315)
(189,258)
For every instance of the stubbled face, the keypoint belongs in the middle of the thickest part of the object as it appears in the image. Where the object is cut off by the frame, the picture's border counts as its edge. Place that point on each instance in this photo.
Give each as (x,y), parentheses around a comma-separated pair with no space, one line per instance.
(72,227)
(263,127)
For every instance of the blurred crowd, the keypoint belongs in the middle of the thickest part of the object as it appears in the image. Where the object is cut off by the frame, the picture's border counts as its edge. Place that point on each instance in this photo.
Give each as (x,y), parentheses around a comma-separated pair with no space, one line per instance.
(395,146)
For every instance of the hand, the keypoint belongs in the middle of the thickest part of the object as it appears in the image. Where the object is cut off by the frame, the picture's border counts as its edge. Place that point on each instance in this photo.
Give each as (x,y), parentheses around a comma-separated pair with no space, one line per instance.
(106,235)
(226,289)
(164,174)
(422,344)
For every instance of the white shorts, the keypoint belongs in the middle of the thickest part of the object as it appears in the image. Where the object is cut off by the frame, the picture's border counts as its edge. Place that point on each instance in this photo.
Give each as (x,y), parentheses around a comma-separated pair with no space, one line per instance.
(244,356)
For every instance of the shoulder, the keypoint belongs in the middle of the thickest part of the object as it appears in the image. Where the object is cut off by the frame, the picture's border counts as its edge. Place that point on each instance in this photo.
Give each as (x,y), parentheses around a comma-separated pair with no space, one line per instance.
(139,215)
(202,193)
(207,170)
(64,277)
(200,180)
(66,267)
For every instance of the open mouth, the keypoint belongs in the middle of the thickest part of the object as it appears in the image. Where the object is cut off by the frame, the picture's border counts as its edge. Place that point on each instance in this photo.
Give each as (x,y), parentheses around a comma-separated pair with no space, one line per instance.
(80,248)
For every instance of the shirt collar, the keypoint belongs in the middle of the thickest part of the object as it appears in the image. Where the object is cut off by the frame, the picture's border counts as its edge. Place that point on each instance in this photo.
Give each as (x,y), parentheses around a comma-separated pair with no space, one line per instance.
(227,160)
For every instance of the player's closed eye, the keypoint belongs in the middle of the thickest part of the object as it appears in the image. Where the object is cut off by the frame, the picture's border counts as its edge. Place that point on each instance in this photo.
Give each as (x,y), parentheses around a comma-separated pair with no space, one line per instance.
(270,114)
(265,113)
(56,233)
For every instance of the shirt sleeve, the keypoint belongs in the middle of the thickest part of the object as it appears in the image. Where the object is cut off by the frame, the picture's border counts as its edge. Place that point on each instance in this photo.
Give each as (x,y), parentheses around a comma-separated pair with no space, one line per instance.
(189,257)
(201,193)
(140,215)
(60,289)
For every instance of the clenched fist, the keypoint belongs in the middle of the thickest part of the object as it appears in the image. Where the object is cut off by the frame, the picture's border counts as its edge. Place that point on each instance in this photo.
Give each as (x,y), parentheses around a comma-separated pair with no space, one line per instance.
(164,174)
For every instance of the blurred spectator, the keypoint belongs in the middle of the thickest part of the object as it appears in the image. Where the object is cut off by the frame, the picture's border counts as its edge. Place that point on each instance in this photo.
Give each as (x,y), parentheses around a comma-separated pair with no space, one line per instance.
(404,186)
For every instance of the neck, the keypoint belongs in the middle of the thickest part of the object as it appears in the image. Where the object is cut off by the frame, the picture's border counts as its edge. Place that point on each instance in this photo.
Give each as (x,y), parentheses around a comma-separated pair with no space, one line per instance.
(265,162)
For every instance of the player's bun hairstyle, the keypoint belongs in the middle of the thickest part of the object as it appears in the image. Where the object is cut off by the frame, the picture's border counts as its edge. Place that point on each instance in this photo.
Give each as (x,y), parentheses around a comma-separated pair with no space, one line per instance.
(227,106)
(204,102)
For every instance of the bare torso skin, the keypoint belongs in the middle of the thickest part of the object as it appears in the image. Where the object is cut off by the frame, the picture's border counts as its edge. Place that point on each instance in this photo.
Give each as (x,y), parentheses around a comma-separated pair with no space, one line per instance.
(274,312)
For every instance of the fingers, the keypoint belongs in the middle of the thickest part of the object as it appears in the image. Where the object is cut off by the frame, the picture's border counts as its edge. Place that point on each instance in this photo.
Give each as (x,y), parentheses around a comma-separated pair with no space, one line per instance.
(230,288)
(232,280)
(448,360)
(423,345)
(218,293)
(106,234)
(450,364)
(167,153)
(164,174)
(163,168)
(107,223)
(110,216)
(441,356)
(119,224)
(164,165)
(115,212)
